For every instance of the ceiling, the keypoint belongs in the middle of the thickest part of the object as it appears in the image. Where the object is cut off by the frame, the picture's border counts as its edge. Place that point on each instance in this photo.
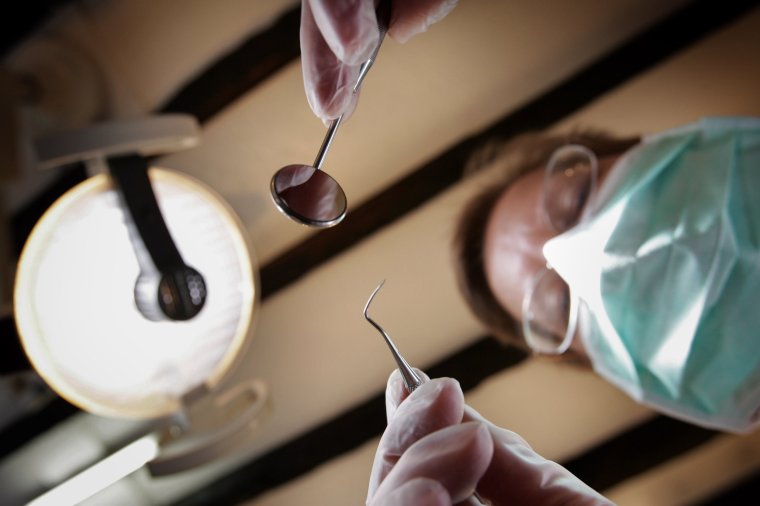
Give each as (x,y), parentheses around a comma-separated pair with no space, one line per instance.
(488,71)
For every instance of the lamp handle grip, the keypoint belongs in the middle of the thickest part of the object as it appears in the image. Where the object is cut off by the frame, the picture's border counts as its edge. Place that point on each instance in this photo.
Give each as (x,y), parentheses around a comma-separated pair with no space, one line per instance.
(179,455)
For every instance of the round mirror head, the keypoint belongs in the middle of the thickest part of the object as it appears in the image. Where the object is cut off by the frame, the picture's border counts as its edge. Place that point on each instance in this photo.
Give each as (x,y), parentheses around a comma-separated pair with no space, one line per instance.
(309,196)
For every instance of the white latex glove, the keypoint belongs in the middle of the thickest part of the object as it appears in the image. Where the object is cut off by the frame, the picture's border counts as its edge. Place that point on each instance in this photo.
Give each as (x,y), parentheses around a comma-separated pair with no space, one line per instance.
(337,36)
(427,457)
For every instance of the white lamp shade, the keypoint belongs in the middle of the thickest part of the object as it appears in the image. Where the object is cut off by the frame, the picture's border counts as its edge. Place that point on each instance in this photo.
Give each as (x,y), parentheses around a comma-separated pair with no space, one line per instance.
(75,309)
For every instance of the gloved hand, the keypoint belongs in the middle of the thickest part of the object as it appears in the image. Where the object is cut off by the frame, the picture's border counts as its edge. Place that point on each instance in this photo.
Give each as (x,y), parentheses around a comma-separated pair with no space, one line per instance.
(427,457)
(338,36)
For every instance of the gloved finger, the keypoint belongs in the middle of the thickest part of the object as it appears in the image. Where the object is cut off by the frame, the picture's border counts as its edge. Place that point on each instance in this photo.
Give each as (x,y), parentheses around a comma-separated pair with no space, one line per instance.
(434,405)
(328,82)
(455,456)
(415,492)
(518,475)
(349,28)
(395,391)
(411,17)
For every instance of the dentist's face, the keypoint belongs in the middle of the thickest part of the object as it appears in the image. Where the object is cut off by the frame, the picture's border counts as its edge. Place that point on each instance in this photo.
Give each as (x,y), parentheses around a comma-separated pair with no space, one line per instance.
(515,236)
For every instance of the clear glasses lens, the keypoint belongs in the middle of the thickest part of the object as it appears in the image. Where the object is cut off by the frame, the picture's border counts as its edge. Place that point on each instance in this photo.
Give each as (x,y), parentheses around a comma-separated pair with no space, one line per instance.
(569,181)
(547,313)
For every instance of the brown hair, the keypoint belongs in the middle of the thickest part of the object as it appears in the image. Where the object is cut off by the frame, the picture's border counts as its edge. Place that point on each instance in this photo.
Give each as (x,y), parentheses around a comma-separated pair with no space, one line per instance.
(511,160)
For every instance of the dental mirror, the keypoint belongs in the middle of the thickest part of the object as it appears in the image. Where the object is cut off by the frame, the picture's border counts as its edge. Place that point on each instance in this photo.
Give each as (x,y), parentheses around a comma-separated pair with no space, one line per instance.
(305,193)
(308,195)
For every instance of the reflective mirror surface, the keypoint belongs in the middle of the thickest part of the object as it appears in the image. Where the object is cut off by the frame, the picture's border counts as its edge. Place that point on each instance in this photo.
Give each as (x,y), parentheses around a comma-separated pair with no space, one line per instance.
(308,195)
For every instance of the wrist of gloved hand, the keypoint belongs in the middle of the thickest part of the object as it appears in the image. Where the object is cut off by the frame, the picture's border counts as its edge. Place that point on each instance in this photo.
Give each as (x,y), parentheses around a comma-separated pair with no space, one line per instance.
(519,475)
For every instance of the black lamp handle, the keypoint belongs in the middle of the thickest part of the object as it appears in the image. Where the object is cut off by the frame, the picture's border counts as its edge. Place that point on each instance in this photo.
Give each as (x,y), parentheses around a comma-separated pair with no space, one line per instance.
(180,291)
(130,173)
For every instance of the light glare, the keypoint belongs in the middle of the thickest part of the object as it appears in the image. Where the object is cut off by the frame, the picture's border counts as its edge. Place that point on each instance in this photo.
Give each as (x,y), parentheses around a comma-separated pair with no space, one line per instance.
(102,474)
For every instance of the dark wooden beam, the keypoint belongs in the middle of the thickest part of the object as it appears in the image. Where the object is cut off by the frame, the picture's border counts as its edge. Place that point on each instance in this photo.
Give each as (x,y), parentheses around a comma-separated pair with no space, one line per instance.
(21,19)
(240,71)
(744,493)
(646,446)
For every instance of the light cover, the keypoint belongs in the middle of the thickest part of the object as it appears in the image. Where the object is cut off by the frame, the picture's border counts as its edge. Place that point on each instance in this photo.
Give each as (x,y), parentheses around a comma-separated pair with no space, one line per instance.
(75,309)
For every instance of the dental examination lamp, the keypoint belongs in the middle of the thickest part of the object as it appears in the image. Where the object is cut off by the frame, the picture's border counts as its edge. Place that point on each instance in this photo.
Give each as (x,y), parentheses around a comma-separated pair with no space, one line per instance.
(136,292)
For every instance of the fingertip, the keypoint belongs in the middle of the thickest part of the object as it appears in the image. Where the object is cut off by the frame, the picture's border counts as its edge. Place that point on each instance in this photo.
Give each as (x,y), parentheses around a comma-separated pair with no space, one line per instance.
(330,94)
(480,437)
(429,492)
(411,18)
(456,456)
(476,452)
(396,377)
(359,49)
(395,393)
(350,29)
(416,492)
(395,390)
(440,399)
(484,439)
(447,388)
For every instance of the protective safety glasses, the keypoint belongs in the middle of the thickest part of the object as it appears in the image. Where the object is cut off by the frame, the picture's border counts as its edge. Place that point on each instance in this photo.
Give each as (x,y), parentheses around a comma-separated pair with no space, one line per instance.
(549,308)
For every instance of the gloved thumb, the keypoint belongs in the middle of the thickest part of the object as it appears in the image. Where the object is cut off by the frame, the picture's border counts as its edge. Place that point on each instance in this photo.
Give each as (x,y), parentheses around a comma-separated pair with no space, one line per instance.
(456,457)
(436,404)
(395,391)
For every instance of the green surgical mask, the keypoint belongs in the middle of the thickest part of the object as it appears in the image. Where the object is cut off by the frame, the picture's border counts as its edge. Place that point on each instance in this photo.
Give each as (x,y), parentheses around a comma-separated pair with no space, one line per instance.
(667,270)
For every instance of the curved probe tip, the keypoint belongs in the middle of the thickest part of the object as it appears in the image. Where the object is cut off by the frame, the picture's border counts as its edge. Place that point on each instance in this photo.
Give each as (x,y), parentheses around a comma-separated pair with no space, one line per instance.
(366,306)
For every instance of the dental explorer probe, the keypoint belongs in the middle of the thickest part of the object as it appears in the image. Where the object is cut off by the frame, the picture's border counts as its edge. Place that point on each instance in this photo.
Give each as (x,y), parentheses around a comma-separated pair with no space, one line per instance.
(412,380)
